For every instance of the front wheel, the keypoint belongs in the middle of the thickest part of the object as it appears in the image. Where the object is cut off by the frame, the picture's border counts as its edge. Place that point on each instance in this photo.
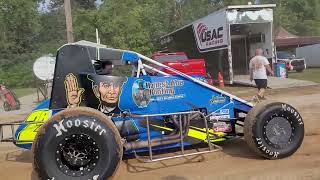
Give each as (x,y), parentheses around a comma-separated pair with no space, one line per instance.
(78,143)
(274,130)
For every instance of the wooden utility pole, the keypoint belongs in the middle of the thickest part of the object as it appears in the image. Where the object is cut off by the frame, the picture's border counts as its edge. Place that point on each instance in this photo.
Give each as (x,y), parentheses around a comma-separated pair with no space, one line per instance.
(67,11)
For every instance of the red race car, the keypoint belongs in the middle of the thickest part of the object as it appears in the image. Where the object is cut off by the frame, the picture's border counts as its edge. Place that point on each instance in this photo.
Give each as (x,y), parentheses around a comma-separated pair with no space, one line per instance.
(9,99)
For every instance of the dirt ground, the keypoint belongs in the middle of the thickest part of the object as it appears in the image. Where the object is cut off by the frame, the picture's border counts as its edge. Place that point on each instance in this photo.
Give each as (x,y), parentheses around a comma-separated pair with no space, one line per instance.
(236,161)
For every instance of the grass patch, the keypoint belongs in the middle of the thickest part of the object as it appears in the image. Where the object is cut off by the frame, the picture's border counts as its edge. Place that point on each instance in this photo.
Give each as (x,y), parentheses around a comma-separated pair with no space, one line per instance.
(311,74)
(20,92)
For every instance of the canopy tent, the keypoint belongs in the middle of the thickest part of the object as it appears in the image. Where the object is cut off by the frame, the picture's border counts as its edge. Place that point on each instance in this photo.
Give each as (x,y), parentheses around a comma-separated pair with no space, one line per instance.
(285,40)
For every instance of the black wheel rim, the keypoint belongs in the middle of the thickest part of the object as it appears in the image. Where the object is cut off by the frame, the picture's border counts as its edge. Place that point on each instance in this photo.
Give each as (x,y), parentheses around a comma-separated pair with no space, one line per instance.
(278,131)
(77,155)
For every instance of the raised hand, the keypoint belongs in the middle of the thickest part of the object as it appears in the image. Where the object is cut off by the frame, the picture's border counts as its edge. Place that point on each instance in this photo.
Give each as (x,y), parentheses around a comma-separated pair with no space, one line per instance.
(73,92)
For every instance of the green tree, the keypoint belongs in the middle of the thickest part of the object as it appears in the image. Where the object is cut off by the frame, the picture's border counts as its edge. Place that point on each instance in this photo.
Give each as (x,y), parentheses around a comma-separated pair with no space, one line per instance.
(19,25)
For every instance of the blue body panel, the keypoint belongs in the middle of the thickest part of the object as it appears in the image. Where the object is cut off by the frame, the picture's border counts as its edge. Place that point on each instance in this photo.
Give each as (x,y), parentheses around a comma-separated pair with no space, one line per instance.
(170,94)
(160,95)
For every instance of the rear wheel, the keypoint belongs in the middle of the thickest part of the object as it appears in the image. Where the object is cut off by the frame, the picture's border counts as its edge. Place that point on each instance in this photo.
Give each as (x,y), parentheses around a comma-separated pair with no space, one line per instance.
(18,105)
(6,106)
(274,130)
(77,143)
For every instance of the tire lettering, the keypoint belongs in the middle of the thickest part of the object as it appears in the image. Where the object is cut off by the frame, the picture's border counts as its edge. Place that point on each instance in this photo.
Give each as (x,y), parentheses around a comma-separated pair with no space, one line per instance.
(102,131)
(77,123)
(62,127)
(265,149)
(301,123)
(95,177)
(85,123)
(98,127)
(293,112)
(59,128)
(69,124)
(284,107)
(92,123)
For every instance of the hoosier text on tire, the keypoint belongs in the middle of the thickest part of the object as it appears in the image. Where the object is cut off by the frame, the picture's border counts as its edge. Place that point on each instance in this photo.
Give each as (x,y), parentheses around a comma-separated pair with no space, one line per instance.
(77,143)
(274,130)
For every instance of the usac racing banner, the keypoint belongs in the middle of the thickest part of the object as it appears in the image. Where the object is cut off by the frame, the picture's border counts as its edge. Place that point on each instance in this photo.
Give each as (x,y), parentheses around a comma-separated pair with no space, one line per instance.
(211,32)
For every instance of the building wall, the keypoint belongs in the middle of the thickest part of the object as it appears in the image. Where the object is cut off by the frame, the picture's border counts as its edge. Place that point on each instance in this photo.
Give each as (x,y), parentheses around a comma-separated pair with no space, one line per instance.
(311,55)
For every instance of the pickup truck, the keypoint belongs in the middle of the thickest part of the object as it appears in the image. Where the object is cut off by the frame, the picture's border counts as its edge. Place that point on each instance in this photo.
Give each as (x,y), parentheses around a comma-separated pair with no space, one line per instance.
(292,62)
(181,62)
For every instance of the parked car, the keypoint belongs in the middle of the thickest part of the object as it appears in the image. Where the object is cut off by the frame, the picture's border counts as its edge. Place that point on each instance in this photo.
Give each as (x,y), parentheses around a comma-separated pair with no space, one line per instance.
(292,62)
(181,62)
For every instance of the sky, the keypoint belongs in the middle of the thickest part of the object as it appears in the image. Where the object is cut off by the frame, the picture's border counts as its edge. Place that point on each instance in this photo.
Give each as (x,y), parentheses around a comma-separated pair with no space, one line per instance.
(43,7)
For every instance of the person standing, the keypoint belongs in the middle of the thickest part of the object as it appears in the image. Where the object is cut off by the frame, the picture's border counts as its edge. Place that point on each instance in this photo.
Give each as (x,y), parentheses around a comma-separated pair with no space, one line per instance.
(259,65)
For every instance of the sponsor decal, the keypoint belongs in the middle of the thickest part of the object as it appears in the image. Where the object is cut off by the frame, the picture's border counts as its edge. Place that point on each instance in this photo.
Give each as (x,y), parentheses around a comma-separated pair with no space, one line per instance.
(222,127)
(143,92)
(224,111)
(217,99)
(140,93)
(209,36)
(63,126)
(211,32)
(222,114)
(219,117)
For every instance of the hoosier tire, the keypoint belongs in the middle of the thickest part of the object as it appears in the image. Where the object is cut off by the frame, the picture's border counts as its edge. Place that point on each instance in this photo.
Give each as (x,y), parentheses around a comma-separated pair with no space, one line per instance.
(77,143)
(274,130)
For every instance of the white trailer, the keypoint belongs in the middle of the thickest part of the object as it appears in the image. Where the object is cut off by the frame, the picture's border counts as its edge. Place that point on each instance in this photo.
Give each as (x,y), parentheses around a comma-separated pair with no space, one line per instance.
(227,38)
(311,54)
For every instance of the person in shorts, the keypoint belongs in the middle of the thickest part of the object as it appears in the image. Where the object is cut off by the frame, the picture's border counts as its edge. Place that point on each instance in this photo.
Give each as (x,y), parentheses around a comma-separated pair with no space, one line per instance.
(259,65)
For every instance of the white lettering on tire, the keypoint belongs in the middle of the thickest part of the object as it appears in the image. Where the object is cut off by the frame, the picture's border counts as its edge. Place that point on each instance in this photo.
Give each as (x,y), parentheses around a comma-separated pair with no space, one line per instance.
(62,127)
(293,112)
(95,177)
(77,122)
(85,123)
(265,149)
(59,128)
(102,131)
(69,124)
(98,127)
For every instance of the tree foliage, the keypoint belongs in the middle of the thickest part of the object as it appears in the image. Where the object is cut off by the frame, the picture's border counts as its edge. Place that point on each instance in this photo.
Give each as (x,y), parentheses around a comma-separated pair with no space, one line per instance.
(27,32)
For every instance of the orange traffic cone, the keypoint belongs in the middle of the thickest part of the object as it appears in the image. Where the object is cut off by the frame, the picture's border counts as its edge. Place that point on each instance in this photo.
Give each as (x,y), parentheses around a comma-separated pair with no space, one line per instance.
(220,79)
